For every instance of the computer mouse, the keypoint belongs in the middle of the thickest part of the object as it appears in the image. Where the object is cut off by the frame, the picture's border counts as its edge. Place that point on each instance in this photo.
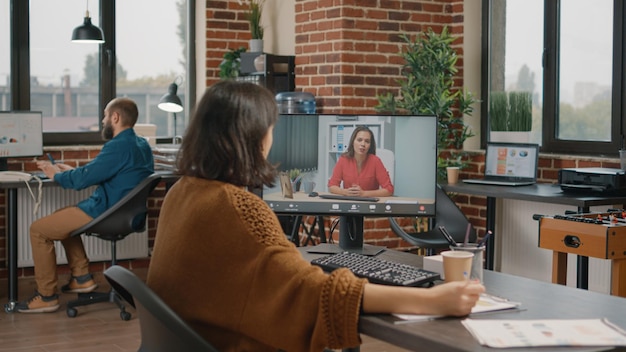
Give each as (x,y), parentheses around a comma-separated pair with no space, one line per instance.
(313,194)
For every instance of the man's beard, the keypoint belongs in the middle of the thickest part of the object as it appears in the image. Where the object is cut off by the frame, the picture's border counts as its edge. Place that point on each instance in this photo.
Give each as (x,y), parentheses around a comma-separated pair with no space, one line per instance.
(107,132)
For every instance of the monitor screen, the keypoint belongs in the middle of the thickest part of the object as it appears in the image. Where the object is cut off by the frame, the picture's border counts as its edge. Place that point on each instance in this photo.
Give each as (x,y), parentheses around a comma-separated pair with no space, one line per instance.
(21,134)
(307,149)
(406,145)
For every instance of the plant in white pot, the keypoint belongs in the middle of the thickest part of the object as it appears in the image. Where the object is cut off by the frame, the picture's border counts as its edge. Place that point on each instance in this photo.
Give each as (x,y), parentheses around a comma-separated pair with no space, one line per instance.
(510,116)
(255,10)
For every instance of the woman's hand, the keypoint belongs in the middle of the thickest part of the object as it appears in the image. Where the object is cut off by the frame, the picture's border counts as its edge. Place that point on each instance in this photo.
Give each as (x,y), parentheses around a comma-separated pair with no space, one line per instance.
(355,190)
(456,298)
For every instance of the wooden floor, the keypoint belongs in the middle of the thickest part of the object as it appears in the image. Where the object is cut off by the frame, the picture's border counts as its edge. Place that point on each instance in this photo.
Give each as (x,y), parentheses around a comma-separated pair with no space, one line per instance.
(97,328)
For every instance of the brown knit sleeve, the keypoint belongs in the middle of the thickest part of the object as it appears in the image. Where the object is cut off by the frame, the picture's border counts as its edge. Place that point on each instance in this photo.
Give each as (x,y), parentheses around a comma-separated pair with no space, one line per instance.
(340,304)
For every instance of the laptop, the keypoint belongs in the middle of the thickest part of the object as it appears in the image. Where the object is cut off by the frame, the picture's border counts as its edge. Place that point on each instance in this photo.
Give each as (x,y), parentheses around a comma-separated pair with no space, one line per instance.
(509,164)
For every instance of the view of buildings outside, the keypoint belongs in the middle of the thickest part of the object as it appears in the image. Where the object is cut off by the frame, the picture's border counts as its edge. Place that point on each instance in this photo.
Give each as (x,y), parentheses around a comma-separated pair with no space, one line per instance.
(586,54)
(65,84)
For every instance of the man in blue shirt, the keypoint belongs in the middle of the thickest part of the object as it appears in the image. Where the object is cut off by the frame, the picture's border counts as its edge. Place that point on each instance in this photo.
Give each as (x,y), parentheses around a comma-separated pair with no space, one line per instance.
(124,161)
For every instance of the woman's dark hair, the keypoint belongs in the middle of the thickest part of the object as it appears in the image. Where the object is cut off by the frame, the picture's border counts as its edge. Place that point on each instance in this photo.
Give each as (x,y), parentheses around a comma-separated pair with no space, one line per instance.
(350,151)
(224,138)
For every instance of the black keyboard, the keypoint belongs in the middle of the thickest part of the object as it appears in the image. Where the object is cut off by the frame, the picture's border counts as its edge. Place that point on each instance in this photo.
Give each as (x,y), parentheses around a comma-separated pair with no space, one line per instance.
(355,198)
(376,270)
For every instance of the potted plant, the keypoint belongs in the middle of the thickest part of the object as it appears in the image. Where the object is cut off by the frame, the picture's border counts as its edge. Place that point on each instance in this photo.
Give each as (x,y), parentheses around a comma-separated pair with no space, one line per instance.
(295,176)
(510,116)
(427,87)
(229,67)
(255,10)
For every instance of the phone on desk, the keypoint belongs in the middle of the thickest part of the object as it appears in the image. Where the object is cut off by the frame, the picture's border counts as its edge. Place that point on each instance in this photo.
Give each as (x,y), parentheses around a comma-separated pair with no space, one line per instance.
(14,176)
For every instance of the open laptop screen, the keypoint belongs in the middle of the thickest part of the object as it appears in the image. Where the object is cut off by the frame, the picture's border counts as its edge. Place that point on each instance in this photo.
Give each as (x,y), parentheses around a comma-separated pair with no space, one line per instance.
(511,160)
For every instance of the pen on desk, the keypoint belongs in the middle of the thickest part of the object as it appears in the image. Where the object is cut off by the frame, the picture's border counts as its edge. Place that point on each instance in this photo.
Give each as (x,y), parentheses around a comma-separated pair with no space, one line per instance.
(467,233)
(51,159)
(447,236)
(484,240)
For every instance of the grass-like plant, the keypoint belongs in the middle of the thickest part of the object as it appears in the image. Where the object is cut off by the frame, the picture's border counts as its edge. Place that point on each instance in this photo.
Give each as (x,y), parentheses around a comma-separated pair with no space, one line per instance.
(510,111)
(255,10)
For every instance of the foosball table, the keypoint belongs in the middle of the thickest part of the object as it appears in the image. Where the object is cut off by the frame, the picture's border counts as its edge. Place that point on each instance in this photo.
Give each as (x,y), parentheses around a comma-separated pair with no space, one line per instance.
(597,235)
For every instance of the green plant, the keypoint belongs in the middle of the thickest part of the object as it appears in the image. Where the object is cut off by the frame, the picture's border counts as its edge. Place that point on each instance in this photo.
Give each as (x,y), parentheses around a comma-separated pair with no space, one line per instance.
(510,111)
(255,10)
(498,111)
(427,87)
(229,67)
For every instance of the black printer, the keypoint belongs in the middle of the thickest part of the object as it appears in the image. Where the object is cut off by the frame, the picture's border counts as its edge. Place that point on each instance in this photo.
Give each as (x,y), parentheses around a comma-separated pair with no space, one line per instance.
(593,180)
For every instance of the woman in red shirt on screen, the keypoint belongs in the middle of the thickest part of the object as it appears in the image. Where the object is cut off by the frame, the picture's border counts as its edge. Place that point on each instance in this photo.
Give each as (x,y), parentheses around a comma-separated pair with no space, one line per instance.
(361,171)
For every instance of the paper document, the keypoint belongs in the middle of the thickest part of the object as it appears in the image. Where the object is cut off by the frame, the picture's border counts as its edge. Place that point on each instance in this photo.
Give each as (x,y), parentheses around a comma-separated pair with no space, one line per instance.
(545,332)
(486,303)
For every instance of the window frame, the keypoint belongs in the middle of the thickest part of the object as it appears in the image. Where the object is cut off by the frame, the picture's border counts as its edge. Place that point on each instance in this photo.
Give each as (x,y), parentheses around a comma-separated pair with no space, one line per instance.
(20,67)
(550,59)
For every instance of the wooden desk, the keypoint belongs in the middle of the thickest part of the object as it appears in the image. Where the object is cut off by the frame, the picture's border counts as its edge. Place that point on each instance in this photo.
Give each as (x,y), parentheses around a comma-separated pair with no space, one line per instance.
(540,300)
(545,193)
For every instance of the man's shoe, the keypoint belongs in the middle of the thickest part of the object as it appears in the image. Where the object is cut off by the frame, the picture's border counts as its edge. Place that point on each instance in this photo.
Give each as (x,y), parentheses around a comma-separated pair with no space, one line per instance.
(39,304)
(83,284)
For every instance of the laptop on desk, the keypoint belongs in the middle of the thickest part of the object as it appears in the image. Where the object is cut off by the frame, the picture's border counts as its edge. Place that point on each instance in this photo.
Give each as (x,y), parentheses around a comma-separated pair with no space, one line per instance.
(509,164)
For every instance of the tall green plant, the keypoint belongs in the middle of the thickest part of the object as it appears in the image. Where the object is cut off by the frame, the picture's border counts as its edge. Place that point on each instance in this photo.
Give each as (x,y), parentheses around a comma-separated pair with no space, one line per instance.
(520,111)
(255,10)
(510,111)
(427,87)
(498,111)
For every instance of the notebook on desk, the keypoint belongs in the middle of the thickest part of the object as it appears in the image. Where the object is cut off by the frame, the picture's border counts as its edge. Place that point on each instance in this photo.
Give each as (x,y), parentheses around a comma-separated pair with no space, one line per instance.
(509,164)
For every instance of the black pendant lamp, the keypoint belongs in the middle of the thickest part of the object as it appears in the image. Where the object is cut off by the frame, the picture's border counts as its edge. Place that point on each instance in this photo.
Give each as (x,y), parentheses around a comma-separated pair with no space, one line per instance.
(87,32)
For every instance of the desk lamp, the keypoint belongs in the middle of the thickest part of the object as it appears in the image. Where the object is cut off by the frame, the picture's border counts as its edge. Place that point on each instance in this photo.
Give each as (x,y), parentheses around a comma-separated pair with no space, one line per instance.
(170,102)
(87,33)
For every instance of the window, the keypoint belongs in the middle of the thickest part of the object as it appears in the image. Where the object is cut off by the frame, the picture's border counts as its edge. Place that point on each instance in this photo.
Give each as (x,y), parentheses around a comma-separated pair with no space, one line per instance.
(572,63)
(5,57)
(515,65)
(145,50)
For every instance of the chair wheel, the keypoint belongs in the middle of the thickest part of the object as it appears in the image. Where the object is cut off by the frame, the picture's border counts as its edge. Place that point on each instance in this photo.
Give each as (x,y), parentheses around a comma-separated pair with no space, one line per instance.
(72,312)
(125,315)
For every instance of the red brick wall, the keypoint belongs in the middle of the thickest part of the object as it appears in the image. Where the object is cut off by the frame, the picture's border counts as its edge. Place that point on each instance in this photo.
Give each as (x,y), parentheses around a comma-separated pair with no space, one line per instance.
(347,55)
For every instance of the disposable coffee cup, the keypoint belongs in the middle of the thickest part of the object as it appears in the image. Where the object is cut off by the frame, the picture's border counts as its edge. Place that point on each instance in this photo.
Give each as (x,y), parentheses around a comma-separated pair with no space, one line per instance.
(453,174)
(476,273)
(457,265)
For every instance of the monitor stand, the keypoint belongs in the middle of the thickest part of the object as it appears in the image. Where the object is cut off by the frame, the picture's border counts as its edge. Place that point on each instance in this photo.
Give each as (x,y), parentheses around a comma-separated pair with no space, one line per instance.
(350,239)
(4,165)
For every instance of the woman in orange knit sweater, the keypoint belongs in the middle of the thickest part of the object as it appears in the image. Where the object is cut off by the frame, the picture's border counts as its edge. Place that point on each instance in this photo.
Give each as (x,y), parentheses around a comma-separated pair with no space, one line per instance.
(222,261)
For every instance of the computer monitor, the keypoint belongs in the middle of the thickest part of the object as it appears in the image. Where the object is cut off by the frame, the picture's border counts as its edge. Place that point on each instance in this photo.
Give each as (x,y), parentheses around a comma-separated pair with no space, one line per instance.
(21,135)
(407,146)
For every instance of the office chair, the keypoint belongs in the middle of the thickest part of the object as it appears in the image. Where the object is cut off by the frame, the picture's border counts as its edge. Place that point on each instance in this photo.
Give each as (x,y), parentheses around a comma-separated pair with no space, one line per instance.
(127,216)
(162,330)
(447,214)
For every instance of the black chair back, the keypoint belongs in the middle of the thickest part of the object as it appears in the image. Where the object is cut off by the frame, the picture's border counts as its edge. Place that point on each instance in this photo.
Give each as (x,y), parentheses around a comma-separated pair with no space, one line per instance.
(162,330)
(447,214)
(128,215)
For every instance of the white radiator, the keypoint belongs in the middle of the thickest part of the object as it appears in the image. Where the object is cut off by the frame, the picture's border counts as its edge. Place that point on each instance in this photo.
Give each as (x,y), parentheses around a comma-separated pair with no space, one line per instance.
(133,246)
(517,245)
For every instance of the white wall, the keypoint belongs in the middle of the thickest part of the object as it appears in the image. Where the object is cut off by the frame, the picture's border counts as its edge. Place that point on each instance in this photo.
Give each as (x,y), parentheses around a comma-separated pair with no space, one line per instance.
(472,60)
